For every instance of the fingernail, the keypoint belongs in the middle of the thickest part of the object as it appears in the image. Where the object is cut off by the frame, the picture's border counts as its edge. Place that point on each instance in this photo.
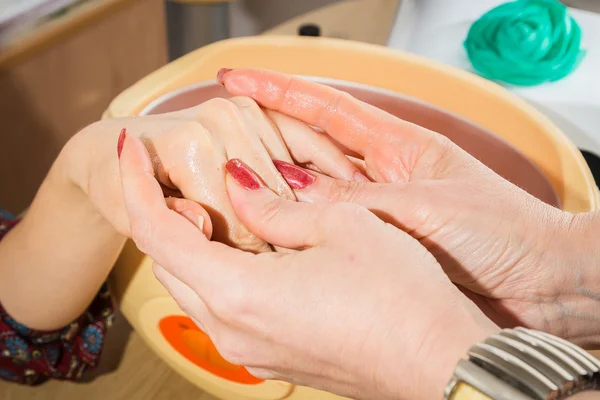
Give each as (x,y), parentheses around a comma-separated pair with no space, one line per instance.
(121,142)
(359,177)
(243,174)
(221,74)
(194,218)
(295,176)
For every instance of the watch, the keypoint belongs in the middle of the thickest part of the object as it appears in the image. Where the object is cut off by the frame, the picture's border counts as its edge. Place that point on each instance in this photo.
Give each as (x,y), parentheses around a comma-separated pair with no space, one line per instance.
(523,364)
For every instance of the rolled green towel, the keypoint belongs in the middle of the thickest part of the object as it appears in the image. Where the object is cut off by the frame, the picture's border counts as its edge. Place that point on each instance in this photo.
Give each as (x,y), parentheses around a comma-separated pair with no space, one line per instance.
(525,43)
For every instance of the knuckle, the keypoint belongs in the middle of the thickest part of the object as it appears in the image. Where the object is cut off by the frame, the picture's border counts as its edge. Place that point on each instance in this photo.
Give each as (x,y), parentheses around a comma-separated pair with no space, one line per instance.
(195,140)
(245,101)
(226,114)
(243,239)
(193,131)
(345,191)
(215,103)
(332,107)
(271,211)
(222,107)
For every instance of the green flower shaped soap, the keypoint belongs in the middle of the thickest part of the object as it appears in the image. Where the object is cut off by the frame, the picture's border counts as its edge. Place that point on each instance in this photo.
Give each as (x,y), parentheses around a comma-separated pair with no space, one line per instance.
(525,43)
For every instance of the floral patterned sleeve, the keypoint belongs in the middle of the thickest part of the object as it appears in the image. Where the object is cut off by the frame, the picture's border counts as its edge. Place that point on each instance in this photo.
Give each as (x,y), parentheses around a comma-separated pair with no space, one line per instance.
(31,357)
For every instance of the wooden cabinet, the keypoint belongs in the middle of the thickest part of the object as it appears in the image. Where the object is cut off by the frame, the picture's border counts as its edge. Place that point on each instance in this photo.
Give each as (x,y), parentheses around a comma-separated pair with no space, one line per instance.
(62,76)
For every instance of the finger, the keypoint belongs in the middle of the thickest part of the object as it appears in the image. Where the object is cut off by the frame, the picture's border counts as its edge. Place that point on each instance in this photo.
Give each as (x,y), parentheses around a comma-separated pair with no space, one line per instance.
(278,221)
(358,163)
(248,134)
(186,298)
(263,127)
(355,124)
(193,212)
(384,200)
(170,192)
(239,132)
(162,233)
(308,146)
(361,166)
(196,168)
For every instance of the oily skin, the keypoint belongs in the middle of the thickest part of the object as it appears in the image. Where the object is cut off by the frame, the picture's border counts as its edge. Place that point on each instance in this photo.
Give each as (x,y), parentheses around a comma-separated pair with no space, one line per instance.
(521,260)
(78,213)
(189,149)
(364,311)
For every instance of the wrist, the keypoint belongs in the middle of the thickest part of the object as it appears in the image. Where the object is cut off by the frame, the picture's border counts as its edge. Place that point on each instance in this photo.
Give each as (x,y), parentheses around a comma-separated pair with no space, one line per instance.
(459,326)
(576,316)
(60,184)
(74,161)
(59,180)
(69,177)
(452,344)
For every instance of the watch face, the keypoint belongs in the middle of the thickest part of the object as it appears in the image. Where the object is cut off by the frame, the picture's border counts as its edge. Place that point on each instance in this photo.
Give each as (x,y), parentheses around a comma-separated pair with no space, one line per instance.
(464,391)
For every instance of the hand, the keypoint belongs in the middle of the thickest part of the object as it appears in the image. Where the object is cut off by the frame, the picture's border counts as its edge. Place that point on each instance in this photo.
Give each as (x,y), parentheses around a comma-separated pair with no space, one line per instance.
(522,261)
(189,149)
(361,309)
(78,213)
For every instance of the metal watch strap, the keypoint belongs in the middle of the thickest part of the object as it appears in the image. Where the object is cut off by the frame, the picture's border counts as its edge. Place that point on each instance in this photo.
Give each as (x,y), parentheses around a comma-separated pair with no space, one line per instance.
(523,364)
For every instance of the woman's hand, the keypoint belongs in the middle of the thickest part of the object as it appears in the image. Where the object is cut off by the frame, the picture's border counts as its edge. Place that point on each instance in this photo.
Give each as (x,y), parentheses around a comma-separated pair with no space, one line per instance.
(188,150)
(361,309)
(75,227)
(521,260)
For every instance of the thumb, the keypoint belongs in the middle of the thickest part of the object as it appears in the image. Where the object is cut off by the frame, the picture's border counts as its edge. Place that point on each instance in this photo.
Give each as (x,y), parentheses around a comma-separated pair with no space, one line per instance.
(278,221)
(193,212)
(161,232)
(383,199)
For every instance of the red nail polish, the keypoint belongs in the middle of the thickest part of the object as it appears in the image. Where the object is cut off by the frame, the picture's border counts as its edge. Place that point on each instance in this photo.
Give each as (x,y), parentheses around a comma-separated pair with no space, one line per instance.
(121,142)
(243,174)
(295,176)
(221,74)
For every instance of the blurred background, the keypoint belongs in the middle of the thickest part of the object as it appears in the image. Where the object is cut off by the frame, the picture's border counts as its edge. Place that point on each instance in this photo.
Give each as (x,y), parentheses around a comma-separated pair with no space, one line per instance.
(63,61)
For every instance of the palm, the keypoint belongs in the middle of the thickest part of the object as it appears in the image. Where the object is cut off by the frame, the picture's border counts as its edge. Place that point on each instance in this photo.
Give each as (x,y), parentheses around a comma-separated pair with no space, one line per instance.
(473,237)
(480,238)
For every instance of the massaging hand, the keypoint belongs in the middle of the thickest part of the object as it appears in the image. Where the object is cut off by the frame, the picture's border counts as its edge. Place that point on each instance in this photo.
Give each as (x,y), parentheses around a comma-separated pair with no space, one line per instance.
(189,149)
(362,309)
(504,247)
